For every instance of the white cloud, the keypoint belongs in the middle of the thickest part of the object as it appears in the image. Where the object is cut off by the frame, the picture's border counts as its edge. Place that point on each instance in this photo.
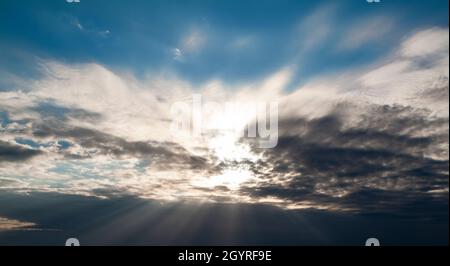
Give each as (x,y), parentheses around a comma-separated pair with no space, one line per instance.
(369,31)
(394,80)
(427,42)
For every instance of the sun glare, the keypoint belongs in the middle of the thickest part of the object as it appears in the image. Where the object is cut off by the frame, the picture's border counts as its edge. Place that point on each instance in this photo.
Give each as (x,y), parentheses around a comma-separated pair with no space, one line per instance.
(226,148)
(232,178)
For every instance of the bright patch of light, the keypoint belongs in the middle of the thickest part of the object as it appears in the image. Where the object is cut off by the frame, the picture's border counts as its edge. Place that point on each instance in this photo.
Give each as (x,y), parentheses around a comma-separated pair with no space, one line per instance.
(232,179)
(226,148)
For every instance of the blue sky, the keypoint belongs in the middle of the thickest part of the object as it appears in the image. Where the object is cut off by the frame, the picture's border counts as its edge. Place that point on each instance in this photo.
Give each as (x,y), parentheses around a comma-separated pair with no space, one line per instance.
(141,36)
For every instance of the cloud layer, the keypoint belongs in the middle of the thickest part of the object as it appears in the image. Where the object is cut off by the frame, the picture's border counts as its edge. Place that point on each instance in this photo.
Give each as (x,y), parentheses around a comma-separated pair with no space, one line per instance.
(372,139)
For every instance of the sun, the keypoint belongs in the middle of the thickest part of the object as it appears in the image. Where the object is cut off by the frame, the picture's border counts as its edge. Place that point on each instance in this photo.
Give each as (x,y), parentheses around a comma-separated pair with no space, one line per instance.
(232,178)
(226,147)
(231,153)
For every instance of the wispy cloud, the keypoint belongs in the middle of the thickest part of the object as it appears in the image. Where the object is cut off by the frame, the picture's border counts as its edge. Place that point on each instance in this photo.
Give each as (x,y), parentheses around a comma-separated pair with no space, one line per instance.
(191,43)
(75,22)
(315,29)
(11,224)
(366,32)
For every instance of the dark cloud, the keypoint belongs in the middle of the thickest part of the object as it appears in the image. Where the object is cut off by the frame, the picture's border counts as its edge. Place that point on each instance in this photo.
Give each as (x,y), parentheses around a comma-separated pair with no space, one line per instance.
(160,154)
(386,162)
(15,153)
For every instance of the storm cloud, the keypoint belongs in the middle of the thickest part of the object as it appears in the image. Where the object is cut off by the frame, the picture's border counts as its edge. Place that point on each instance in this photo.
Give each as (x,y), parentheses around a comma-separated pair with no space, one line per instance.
(15,153)
(389,159)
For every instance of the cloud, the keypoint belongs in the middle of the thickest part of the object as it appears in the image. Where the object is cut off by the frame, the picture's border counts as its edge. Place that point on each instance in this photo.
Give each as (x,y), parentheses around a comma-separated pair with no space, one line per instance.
(75,22)
(190,44)
(314,29)
(426,43)
(379,129)
(368,32)
(12,153)
(11,224)
(193,41)
(243,42)
(163,154)
(177,53)
(322,162)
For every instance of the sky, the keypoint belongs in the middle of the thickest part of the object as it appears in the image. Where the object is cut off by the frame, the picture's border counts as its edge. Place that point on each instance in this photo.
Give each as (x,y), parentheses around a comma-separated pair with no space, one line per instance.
(87,143)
